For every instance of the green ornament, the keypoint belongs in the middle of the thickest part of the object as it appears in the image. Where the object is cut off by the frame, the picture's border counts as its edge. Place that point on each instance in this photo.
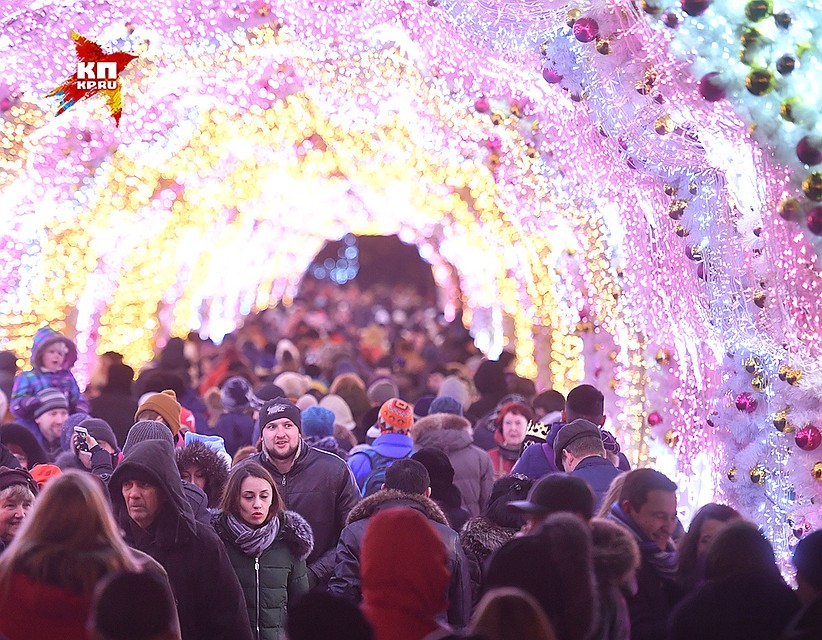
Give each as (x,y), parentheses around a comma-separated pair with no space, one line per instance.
(787,109)
(757,10)
(750,37)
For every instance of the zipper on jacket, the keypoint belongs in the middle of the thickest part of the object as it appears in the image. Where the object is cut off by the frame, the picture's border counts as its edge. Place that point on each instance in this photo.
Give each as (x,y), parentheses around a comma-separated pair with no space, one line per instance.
(257,574)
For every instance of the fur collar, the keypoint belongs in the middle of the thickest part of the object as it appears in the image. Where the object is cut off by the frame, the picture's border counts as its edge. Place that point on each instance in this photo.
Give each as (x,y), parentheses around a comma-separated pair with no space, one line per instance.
(445,421)
(370,505)
(482,536)
(297,534)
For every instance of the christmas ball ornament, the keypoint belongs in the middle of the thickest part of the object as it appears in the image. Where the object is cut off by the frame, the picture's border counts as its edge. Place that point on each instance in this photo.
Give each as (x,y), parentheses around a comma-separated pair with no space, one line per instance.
(752,364)
(669,190)
(671,438)
(710,88)
(757,10)
(695,7)
(732,474)
(809,151)
(780,421)
(497,118)
(808,438)
(815,221)
(786,64)
(712,418)
(654,419)
(586,29)
(789,208)
(816,471)
(783,19)
(749,37)
(746,403)
(759,82)
(793,377)
(680,230)
(663,125)
(677,208)
(515,109)
(758,474)
(759,298)
(663,356)
(550,76)
(694,253)
(482,105)
(759,382)
(603,46)
(572,16)
(651,7)
(692,188)
(812,186)
(670,19)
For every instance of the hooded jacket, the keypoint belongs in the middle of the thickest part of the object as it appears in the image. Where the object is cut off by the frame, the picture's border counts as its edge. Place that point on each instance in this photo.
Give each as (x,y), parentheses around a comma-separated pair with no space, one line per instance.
(209,600)
(274,579)
(473,473)
(346,580)
(28,383)
(319,486)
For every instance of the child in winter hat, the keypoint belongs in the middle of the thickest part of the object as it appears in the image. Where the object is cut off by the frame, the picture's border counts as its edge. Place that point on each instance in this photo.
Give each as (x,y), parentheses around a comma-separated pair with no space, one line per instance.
(162,406)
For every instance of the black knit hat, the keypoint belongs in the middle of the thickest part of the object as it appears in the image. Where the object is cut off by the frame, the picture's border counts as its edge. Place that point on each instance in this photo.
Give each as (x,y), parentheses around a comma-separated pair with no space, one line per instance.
(280,408)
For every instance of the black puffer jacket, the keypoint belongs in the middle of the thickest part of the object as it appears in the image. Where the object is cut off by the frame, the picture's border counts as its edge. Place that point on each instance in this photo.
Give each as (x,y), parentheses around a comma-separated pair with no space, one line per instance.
(209,600)
(319,486)
(346,580)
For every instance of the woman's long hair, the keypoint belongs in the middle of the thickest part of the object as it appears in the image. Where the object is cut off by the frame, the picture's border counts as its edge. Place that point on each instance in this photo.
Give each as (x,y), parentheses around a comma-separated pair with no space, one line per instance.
(230,502)
(508,613)
(69,539)
(690,566)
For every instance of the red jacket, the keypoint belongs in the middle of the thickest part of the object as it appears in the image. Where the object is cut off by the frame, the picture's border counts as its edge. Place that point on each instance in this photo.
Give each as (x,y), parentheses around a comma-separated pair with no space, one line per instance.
(39,611)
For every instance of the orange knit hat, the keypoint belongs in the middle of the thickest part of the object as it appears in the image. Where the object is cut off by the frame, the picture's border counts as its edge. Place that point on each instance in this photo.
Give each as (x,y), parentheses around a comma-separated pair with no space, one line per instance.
(166,405)
(396,416)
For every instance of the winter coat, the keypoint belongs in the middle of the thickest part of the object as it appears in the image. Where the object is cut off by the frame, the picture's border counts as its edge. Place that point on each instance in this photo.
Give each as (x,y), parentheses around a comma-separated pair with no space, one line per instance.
(501,465)
(39,611)
(30,382)
(536,461)
(319,486)
(597,472)
(754,607)
(346,580)
(480,537)
(116,408)
(235,429)
(650,607)
(807,624)
(210,602)
(275,578)
(473,473)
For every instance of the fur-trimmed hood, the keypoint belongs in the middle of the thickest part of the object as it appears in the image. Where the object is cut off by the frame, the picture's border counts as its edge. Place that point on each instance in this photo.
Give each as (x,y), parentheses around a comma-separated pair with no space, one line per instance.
(216,470)
(390,497)
(444,421)
(295,532)
(616,552)
(482,537)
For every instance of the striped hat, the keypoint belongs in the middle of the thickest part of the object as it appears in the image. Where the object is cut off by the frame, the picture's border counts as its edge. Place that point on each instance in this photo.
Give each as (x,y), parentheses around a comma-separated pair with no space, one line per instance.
(395,416)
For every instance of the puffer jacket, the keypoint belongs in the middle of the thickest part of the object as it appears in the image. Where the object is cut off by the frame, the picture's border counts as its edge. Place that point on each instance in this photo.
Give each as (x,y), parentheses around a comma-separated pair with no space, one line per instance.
(320,487)
(346,580)
(473,473)
(273,579)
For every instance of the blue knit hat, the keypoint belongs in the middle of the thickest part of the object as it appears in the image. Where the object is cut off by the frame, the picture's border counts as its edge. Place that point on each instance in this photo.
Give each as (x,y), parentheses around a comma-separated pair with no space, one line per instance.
(318,421)
(445,404)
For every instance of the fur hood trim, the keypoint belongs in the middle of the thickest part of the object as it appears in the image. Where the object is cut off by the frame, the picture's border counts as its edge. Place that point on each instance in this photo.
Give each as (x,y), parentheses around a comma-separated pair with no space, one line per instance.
(482,537)
(216,470)
(297,534)
(616,552)
(369,506)
(445,421)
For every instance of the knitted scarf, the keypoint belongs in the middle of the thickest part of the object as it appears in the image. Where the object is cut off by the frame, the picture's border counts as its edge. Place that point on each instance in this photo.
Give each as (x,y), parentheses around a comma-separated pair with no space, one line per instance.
(663,562)
(252,541)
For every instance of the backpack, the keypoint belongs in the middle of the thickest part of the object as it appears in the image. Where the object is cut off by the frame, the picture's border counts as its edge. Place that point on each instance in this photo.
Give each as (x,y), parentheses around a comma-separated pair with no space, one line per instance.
(376,477)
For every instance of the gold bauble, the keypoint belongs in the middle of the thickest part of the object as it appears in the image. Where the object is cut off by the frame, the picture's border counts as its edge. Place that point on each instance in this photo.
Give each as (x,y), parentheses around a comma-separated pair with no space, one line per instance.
(497,118)
(571,17)
(759,82)
(543,48)
(516,110)
(812,186)
(663,356)
(651,7)
(692,188)
(494,159)
(793,376)
(531,151)
(786,109)
(758,475)
(663,125)
(759,298)
(759,382)
(789,208)
(680,230)
(671,438)
(816,471)
(603,46)
(780,420)
(783,372)
(676,209)
(669,190)
(749,37)
(752,364)
(732,474)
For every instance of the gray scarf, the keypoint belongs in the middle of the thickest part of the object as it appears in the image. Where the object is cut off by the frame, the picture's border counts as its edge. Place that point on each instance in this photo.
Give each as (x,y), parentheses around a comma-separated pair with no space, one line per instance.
(253,541)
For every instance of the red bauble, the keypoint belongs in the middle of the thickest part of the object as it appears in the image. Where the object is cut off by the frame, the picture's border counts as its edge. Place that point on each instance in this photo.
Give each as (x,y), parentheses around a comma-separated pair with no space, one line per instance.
(815,221)
(654,419)
(710,88)
(586,29)
(695,7)
(482,105)
(746,403)
(808,152)
(808,438)
(551,76)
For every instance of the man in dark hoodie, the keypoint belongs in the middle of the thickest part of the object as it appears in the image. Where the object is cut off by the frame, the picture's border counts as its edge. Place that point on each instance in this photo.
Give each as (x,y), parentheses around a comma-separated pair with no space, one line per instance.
(148,502)
(407,484)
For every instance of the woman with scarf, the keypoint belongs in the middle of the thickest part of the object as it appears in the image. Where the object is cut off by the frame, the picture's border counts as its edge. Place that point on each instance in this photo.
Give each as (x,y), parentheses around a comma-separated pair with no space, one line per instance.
(267,547)
(512,422)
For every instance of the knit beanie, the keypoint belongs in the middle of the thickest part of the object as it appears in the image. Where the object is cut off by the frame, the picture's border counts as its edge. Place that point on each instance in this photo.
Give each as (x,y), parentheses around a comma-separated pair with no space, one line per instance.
(396,416)
(445,404)
(50,398)
(42,473)
(381,390)
(279,408)
(422,407)
(11,477)
(267,391)
(306,400)
(101,430)
(166,405)
(293,384)
(342,412)
(147,430)
(318,421)
(236,394)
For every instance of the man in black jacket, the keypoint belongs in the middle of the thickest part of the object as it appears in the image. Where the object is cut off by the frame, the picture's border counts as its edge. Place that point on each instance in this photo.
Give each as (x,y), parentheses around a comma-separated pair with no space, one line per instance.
(407,484)
(316,484)
(148,502)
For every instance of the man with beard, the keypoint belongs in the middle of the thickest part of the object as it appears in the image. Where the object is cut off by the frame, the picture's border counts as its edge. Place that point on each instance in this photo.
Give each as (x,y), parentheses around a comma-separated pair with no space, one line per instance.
(315,483)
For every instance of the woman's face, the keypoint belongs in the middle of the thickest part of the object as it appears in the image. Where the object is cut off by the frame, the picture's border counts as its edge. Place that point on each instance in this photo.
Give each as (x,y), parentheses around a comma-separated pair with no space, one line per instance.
(194,474)
(707,532)
(255,501)
(513,429)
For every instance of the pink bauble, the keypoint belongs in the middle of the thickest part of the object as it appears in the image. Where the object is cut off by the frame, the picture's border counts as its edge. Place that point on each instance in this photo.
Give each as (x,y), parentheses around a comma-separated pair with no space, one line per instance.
(482,105)
(710,88)
(808,438)
(586,29)
(695,7)
(746,403)
(808,152)
(551,76)
(654,419)
(815,221)
(494,143)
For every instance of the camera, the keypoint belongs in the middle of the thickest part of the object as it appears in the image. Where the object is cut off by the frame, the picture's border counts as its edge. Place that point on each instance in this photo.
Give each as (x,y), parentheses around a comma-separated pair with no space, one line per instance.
(82,434)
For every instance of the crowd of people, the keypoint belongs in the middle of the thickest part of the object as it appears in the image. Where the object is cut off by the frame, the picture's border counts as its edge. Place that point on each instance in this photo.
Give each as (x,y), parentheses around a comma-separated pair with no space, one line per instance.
(350,466)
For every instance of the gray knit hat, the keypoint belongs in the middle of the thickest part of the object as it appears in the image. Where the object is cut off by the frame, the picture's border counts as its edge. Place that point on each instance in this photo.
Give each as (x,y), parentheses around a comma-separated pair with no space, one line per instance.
(147,430)
(50,398)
